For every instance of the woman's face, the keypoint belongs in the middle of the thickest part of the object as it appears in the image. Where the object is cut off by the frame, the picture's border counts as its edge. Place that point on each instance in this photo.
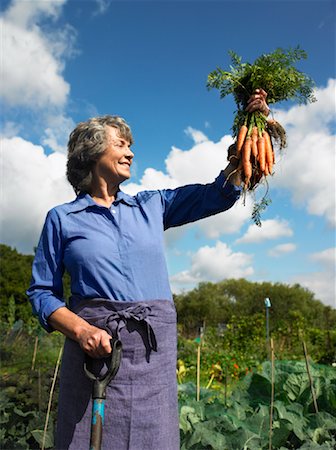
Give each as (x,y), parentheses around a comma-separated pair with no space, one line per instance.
(114,165)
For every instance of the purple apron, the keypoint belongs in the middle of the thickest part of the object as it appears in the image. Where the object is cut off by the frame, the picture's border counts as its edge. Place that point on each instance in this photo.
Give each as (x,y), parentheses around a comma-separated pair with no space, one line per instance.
(141,409)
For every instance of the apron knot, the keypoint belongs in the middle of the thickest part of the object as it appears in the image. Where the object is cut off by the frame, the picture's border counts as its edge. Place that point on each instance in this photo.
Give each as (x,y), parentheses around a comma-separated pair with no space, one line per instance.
(138,314)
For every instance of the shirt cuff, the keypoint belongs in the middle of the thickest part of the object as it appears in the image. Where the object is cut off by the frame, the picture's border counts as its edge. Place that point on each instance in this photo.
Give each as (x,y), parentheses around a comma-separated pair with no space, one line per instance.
(228,189)
(47,311)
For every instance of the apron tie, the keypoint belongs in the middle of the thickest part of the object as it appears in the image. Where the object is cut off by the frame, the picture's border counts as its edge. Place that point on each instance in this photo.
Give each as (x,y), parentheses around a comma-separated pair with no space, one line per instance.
(138,313)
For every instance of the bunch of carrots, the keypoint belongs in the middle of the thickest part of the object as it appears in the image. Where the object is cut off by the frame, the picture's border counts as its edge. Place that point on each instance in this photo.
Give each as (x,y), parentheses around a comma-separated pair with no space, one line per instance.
(254,148)
(255,135)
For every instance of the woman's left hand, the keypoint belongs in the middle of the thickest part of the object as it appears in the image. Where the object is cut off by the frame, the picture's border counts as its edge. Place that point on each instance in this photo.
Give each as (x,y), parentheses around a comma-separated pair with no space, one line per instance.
(257,102)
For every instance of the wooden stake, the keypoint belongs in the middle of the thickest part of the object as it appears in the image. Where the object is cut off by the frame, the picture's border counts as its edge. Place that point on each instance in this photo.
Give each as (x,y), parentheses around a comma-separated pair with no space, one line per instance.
(272,396)
(225,386)
(210,381)
(310,377)
(198,388)
(200,340)
(34,353)
(50,397)
(39,389)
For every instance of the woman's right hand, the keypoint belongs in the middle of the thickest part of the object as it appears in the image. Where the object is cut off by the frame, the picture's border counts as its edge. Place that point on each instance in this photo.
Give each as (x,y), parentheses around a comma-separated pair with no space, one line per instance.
(95,342)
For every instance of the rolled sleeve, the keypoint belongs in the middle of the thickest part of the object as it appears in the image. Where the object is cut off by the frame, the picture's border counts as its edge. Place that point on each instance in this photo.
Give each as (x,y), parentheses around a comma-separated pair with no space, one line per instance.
(49,305)
(46,288)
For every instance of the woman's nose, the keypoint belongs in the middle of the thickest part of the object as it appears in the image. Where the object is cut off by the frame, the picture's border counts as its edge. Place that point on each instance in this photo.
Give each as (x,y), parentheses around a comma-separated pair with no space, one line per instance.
(130,154)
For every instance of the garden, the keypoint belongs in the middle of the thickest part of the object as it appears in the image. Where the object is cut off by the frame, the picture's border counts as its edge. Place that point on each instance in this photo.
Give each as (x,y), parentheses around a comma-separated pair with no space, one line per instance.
(248,377)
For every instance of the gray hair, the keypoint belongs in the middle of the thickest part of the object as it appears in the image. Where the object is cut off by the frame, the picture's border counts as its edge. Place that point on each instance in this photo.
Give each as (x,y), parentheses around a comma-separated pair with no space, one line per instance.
(86,143)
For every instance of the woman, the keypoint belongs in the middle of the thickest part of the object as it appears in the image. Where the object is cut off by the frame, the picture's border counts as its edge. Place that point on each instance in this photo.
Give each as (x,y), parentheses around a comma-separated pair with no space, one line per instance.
(112,246)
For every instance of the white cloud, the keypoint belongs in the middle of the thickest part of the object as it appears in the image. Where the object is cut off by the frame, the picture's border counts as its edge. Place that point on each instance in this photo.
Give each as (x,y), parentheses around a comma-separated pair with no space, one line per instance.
(25,13)
(229,221)
(151,179)
(201,164)
(102,6)
(196,135)
(270,229)
(326,257)
(10,129)
(57,132)
(32,62)
(32,183)
(317,115)
(213,264)
(175,234)
(282,249)
(323,283)
(307,167)
(33,56)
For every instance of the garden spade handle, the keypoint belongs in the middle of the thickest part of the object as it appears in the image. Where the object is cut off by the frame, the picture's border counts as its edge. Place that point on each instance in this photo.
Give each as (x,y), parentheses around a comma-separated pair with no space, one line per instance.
(99,393)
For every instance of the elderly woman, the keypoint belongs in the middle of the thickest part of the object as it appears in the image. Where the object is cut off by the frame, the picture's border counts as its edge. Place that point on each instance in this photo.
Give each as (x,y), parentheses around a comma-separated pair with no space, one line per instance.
(112,246)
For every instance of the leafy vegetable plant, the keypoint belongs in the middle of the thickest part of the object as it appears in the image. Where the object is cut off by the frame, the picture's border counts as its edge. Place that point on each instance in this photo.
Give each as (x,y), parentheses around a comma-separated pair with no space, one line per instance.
(255,135)
(244,422)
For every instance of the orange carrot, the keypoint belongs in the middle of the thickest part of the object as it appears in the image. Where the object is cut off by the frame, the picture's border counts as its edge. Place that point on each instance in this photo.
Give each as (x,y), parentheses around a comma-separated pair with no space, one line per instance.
(261,153)
(246,156)
(254,142)
(241,137)
(269,156)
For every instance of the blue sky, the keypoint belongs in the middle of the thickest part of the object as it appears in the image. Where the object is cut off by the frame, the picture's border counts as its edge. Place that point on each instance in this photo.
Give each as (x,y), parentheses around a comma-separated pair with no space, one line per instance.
(64,61)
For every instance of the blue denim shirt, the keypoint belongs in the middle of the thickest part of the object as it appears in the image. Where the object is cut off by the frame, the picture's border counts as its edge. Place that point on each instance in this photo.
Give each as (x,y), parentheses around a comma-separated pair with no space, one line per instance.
(118,252)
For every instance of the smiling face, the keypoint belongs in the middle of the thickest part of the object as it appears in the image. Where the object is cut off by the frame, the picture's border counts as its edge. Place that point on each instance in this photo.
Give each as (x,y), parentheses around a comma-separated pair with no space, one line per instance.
(114,165)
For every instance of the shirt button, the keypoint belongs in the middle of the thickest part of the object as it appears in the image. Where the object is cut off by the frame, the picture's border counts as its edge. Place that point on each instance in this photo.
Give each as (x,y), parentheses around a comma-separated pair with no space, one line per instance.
(114,211)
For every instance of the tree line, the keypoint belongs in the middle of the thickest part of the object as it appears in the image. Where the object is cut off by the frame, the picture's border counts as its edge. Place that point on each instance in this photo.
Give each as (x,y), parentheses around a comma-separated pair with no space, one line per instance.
(218,303)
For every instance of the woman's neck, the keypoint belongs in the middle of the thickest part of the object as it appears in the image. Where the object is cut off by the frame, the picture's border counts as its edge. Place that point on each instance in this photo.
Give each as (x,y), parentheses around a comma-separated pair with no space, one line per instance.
(104,195)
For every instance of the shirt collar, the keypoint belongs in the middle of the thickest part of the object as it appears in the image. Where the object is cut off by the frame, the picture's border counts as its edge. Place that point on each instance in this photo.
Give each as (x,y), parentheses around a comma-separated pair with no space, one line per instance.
(125,198)
(84,201)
